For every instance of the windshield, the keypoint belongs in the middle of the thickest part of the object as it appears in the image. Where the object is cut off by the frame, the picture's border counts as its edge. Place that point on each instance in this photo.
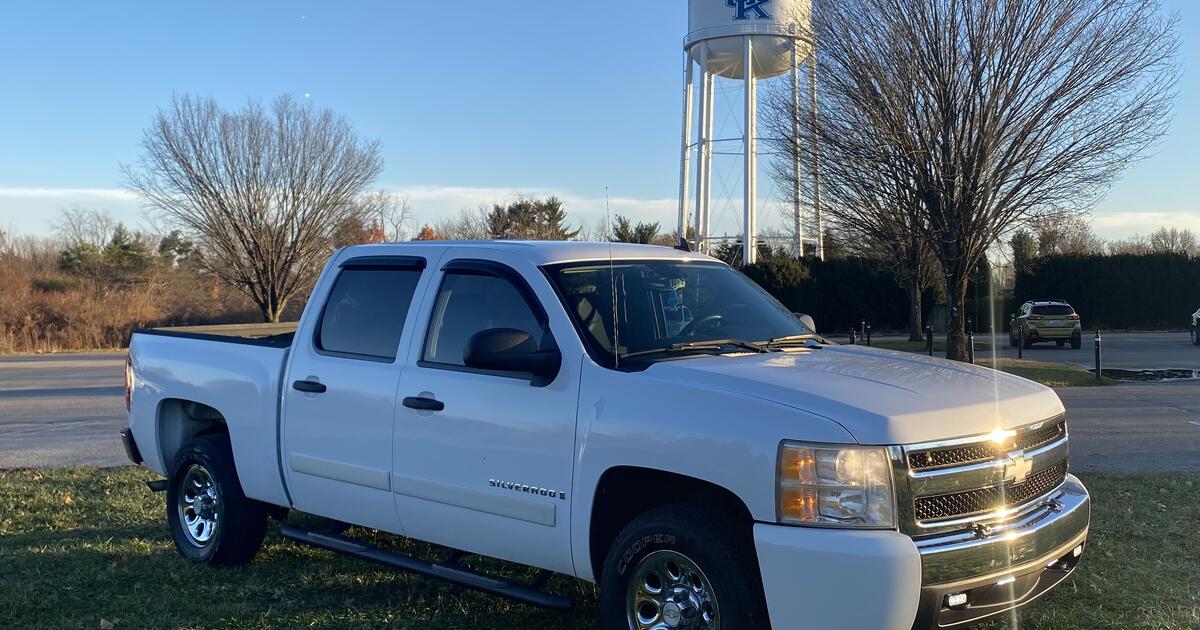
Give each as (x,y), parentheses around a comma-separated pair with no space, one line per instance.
(667,308)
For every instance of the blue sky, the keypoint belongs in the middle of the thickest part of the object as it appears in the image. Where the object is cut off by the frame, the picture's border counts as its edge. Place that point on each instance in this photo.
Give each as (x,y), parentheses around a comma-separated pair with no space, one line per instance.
(472,100)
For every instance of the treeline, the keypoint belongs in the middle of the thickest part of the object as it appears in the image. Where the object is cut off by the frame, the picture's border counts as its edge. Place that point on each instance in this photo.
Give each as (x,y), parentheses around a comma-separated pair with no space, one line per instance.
(1123,291)
(92,295)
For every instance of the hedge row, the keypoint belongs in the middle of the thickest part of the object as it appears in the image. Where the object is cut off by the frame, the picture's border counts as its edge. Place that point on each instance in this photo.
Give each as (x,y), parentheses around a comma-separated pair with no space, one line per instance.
(1152,291)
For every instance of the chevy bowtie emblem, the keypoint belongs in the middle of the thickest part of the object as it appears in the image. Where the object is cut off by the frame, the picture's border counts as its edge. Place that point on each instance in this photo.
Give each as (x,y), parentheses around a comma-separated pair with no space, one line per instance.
(1018,467)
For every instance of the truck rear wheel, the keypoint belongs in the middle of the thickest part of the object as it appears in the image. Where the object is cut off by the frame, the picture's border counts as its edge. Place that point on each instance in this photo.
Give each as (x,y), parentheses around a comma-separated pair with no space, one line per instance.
(681,566)
(211,520)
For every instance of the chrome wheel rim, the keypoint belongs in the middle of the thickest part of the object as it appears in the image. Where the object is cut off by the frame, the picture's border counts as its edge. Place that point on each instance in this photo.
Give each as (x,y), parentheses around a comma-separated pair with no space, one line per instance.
(668,590)
(199,505)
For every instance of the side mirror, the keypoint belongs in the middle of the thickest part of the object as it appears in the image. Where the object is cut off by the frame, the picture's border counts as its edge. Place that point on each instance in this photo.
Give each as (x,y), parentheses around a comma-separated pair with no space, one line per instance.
(807,320)
(512,350)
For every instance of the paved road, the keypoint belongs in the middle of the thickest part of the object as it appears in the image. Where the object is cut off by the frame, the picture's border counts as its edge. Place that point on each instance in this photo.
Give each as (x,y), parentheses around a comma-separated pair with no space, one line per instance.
(61,410)
(66,410)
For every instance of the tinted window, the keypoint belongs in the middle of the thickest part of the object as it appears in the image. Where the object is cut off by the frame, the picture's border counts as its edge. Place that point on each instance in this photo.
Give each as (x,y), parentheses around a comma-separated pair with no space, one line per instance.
(470,303)
(1056,309)
(365,313)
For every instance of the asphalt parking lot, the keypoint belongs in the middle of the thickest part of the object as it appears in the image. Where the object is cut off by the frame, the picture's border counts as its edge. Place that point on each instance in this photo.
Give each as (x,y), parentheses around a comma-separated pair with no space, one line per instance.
(66,410)
(1130,351)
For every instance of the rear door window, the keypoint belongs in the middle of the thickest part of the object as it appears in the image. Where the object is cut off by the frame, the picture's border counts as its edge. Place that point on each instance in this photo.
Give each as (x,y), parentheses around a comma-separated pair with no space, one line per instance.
(468,303)
(364,315)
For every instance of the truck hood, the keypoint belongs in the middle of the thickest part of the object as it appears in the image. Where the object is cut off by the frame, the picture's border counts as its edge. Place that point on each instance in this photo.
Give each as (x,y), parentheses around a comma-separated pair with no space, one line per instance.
(879,396)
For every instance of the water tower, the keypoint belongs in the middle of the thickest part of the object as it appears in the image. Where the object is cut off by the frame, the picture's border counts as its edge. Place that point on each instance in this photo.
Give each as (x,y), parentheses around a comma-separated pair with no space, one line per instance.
(743,40)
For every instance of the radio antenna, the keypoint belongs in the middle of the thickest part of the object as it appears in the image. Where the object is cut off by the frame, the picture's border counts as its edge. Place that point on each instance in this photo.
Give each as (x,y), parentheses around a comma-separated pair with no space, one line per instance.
(612,282)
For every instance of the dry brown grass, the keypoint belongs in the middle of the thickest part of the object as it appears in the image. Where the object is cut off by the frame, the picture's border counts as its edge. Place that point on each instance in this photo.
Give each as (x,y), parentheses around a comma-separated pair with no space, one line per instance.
(43,310)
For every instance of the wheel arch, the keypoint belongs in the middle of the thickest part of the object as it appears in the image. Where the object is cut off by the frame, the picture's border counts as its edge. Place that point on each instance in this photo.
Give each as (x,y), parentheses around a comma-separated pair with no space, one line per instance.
(621,495)
(178,420)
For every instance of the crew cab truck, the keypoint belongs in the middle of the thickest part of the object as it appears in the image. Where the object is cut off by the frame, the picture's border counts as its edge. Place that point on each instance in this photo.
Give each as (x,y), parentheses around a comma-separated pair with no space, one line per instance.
(641,417)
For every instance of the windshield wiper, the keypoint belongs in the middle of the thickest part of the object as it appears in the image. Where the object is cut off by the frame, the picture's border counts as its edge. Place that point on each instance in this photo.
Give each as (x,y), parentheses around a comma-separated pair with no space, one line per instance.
(707,344)
(777,342)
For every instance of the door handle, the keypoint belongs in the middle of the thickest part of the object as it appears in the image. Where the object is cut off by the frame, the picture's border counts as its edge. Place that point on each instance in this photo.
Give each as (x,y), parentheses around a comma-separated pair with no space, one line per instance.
(424,404)
(311,387)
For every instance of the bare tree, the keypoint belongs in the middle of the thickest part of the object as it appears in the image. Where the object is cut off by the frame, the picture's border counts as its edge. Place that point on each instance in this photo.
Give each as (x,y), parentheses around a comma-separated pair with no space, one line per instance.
(987,114)
(467,225)
(76,227)
(393,212)
(1166,240)
(261,192)
(1066,235)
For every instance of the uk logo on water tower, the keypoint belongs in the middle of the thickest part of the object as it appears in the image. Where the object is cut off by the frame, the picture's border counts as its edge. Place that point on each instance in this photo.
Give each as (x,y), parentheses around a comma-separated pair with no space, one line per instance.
(749,9)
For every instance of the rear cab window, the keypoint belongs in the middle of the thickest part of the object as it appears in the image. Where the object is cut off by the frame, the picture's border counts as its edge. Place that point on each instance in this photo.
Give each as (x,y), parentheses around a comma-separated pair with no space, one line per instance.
(363,317)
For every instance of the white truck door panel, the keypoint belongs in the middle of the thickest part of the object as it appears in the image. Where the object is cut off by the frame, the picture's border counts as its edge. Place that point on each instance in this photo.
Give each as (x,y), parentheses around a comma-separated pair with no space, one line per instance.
(490,471)
(340,392)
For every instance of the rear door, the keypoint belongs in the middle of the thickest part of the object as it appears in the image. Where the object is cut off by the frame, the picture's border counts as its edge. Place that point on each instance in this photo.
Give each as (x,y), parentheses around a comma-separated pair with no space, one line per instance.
(340,392)
(484,460)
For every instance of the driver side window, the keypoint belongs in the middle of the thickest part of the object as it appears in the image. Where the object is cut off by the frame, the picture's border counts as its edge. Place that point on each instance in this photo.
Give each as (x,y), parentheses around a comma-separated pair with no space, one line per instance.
(468,303)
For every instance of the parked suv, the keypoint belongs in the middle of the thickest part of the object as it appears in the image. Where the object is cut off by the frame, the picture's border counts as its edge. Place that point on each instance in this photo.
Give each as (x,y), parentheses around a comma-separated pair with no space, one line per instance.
(1196,328)
(1045,320)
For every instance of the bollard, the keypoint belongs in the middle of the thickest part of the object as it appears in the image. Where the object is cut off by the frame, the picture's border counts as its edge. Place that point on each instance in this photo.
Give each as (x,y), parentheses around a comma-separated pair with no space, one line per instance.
(929,339)
(862,329)
(1021,341)
(853,341)
(868,333)
(1099,367)
(971,345)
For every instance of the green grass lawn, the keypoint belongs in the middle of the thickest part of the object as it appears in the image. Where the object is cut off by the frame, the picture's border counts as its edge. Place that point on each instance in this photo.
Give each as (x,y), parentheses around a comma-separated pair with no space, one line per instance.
(85,548)
(1049,374)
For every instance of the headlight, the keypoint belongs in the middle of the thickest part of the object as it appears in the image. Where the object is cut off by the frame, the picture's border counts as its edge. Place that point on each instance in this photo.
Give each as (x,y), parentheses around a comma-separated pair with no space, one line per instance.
(839,486)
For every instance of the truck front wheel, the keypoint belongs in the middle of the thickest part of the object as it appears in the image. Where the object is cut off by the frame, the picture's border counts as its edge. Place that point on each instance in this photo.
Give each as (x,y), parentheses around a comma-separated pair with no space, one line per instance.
(681,566)
(210,519)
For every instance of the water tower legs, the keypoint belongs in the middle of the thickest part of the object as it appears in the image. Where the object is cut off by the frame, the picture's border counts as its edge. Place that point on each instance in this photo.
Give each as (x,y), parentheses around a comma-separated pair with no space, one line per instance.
(750,196)
(685,168)
(704,155)
(797,210)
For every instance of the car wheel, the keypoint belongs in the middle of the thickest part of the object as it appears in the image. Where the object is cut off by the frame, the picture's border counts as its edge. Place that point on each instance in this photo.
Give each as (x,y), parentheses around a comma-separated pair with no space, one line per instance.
(1025,340)
(1196,335)
(1012,338)
(1076,342)
(211,520)
(681,566)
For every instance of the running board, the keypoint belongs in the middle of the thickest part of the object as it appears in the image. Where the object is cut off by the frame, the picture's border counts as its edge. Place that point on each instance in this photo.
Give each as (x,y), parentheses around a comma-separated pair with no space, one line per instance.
(445,571)
(157,485)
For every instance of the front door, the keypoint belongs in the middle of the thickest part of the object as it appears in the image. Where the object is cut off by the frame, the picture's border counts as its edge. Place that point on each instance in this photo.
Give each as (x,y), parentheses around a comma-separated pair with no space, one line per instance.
(340,393)
(483,460)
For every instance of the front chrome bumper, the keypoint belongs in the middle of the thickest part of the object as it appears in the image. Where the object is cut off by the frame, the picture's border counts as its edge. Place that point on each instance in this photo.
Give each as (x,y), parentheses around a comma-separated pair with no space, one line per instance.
(1006,566)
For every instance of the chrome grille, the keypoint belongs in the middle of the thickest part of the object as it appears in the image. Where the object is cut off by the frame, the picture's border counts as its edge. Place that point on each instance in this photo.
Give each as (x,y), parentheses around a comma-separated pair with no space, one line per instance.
(953,484)
(983,500)
(984,451)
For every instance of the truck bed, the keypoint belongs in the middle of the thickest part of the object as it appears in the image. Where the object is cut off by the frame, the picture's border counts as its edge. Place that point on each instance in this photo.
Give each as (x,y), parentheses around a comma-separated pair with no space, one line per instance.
(265,335)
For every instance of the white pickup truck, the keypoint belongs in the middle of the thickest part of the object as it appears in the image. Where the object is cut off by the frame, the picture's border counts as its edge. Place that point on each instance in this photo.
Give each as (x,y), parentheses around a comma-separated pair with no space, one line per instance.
(641,417)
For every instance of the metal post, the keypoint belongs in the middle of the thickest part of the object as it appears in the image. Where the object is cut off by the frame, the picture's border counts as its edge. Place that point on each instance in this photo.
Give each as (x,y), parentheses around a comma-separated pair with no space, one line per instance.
(971,345)
(853,338)
(862,328)
(929,339)
(749,201)
(868,333)
(704,153)
(1021,341)
(797,210)
(685,167)
(816,157)
(1099,366)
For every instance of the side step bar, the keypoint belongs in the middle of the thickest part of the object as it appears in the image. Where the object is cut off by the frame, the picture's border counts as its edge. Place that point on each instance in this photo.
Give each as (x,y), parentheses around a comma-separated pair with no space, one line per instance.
(446,571)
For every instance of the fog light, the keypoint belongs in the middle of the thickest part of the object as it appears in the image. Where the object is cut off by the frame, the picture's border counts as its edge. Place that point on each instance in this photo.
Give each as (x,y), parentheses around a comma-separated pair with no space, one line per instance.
(1078,551)
(956,599)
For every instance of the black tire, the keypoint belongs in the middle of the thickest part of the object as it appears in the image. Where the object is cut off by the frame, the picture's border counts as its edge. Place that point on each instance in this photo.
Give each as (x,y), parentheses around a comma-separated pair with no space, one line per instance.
(1012,339)
(1076,342)
(723,553)
(1196,335)
(241,523)
(1025,340)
